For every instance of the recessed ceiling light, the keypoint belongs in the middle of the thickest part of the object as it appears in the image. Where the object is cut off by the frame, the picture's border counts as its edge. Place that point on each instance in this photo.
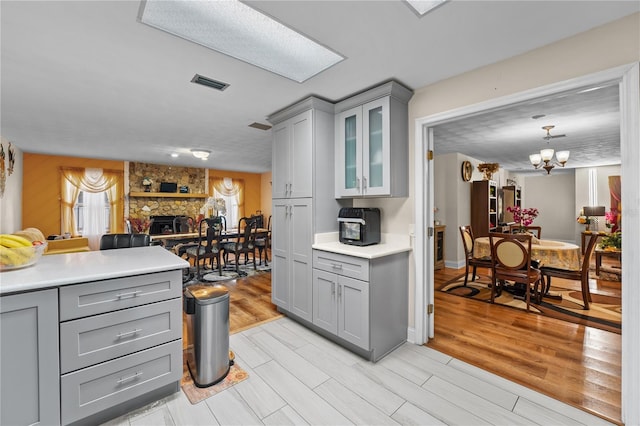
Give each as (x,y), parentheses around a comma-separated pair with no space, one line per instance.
(202,154)
(237,30)
(174,154)
(421,7)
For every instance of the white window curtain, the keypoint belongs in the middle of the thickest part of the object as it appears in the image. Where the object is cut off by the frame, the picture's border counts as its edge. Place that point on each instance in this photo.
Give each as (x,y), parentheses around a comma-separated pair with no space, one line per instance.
(232,191)
(94,183)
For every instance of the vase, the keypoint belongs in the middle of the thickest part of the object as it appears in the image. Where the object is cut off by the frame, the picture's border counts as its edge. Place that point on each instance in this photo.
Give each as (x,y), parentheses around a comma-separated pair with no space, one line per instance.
(588,227)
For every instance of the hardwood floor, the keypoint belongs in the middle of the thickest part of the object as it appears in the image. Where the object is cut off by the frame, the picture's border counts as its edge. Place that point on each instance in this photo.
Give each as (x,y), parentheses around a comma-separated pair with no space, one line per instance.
(578,365)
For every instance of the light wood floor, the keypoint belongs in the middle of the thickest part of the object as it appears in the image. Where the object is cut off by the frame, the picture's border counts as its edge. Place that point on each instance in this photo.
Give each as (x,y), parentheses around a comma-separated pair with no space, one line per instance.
(578,365)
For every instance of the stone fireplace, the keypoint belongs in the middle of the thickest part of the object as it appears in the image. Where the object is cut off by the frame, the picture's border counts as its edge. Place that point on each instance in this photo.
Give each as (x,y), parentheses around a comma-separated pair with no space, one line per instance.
(161,203)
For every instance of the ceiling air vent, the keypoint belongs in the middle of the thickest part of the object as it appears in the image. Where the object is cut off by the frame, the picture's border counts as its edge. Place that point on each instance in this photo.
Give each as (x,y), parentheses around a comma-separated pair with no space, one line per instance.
(214,84)
(260,126)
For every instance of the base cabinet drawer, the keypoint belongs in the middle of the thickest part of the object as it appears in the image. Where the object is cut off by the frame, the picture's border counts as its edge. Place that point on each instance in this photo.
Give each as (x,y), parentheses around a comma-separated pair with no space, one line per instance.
(93,389)
(99,338)
(348,266)
(98,297)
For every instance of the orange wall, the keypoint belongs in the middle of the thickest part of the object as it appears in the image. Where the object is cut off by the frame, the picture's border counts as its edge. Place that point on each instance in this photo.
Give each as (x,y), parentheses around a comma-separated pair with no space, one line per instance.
(41,188)
(252,188)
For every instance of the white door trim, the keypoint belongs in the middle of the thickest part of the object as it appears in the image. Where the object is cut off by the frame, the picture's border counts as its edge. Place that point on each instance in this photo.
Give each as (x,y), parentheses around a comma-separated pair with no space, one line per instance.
(628,77)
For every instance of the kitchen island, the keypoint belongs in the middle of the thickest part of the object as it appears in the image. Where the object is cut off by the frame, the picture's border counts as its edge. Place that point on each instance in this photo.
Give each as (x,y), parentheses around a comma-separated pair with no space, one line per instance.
(89,336)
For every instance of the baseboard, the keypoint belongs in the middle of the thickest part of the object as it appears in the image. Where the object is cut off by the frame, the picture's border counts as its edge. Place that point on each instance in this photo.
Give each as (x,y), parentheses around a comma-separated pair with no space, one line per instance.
(411,335)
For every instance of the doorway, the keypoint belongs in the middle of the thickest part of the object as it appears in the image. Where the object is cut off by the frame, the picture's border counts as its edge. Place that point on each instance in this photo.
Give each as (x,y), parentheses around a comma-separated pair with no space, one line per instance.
(628,78)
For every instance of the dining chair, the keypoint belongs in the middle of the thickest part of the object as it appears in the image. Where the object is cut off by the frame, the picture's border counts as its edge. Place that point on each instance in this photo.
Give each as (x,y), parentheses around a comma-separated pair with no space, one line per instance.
(263,244)
(511,262)
(118,241)
(581,275)
(534,230)
(182,224)
(468,242)
(245,243)
(208,245)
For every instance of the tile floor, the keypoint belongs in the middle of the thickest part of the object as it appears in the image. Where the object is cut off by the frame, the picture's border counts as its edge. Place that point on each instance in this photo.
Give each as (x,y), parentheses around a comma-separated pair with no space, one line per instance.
(298,377)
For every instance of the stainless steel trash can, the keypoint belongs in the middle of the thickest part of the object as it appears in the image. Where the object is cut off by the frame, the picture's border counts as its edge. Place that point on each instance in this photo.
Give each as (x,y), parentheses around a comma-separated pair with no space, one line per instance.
(207,309)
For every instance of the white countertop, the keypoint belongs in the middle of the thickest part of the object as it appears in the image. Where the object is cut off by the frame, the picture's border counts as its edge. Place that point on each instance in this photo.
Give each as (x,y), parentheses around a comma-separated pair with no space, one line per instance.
(72,268)
(389,244)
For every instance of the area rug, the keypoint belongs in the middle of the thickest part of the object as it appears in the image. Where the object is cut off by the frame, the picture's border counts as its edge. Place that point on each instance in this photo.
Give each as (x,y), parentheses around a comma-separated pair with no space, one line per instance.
(229,273)
(605,312)
(195,394)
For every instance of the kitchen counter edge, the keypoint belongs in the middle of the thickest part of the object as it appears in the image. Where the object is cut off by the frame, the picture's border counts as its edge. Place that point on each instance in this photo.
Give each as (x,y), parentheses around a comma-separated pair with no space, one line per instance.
(390,244)
(73,268)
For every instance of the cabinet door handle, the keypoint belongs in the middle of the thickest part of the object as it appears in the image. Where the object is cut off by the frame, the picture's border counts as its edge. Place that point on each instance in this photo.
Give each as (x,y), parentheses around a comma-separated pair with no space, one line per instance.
(126,379)
(128,333)
(129,294)
(339,292)
(333,289)
(364,183)
(358,185)
(337,266)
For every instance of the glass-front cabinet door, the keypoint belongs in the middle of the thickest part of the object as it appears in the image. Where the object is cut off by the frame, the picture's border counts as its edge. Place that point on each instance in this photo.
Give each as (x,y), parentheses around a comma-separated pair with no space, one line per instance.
(349,153)
(362,151)
(376,148)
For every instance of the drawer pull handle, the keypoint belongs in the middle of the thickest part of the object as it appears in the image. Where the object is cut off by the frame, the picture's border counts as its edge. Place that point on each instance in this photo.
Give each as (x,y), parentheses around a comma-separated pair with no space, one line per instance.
(132,377)
(130,294)
(128,333)
(336,266)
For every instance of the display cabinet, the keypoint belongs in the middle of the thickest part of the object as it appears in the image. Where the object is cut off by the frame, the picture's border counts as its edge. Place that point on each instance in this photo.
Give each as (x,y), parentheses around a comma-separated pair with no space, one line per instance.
(511,197)
(438,250)
(484,207)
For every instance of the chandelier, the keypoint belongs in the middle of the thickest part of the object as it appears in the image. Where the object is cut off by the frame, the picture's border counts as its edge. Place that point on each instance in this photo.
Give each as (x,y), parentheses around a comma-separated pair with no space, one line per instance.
(545,159)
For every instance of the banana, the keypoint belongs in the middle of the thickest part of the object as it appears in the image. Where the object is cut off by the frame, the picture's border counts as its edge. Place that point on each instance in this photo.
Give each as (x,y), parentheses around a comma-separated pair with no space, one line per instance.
(13,241)
(15,256)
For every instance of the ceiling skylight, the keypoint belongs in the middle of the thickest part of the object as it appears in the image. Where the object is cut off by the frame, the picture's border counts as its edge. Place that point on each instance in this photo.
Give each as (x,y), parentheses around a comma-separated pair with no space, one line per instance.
(235,29)
(424,6)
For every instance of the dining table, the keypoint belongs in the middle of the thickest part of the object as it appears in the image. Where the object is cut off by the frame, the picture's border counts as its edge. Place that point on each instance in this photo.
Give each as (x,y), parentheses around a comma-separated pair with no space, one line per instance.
(550,253)
(187,237)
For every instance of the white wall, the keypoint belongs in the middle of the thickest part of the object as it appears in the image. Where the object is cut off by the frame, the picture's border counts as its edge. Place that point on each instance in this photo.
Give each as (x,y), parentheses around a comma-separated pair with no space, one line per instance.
(602,48)
(554,197)
(11,201)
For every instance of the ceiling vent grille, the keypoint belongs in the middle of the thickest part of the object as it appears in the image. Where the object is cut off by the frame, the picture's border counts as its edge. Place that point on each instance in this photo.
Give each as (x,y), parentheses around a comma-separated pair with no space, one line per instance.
(205,81)
(260,126)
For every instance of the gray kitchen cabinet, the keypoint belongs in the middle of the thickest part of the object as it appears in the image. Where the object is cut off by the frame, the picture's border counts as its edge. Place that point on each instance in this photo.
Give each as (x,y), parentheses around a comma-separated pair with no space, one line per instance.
(341,306)
(362,303)
(372,144)
(303,201)
(30,385)
(292,156)
(291,256)
(120,344)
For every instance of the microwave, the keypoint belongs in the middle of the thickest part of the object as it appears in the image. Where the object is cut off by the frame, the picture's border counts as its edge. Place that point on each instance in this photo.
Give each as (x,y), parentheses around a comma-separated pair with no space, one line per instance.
(359,226)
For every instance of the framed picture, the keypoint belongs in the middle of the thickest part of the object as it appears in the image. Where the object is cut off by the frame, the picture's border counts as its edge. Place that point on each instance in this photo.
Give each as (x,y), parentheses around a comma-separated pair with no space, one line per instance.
(466,171)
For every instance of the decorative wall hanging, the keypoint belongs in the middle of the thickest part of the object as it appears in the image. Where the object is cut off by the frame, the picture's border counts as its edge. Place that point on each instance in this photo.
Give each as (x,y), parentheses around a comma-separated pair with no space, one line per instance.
(3,176)
(12,159)
(488,169)
(466,171)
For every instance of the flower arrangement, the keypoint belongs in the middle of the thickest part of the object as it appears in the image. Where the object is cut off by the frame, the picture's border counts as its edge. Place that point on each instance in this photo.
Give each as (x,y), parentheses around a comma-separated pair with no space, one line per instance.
(146,182)
(523,217)
(612,241)
(139,225)
(583,220)
(611,218)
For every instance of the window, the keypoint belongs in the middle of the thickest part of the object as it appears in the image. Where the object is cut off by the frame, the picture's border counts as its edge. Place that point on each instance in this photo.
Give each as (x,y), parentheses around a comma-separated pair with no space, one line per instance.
(232,192)
(84,207)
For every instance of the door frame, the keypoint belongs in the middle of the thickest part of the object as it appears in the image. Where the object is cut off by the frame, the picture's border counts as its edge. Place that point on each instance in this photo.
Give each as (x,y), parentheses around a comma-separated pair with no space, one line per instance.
(628,79)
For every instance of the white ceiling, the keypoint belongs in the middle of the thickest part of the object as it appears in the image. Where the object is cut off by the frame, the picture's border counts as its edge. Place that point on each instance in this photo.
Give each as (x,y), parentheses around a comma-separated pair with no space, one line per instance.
(85,78)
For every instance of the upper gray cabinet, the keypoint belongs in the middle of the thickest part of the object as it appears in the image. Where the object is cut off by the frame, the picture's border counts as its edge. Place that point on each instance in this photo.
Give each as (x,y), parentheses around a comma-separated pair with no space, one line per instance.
(372,144)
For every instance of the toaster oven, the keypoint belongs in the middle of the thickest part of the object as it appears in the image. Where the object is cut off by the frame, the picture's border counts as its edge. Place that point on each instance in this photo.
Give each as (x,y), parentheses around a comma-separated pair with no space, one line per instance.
(359,226)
